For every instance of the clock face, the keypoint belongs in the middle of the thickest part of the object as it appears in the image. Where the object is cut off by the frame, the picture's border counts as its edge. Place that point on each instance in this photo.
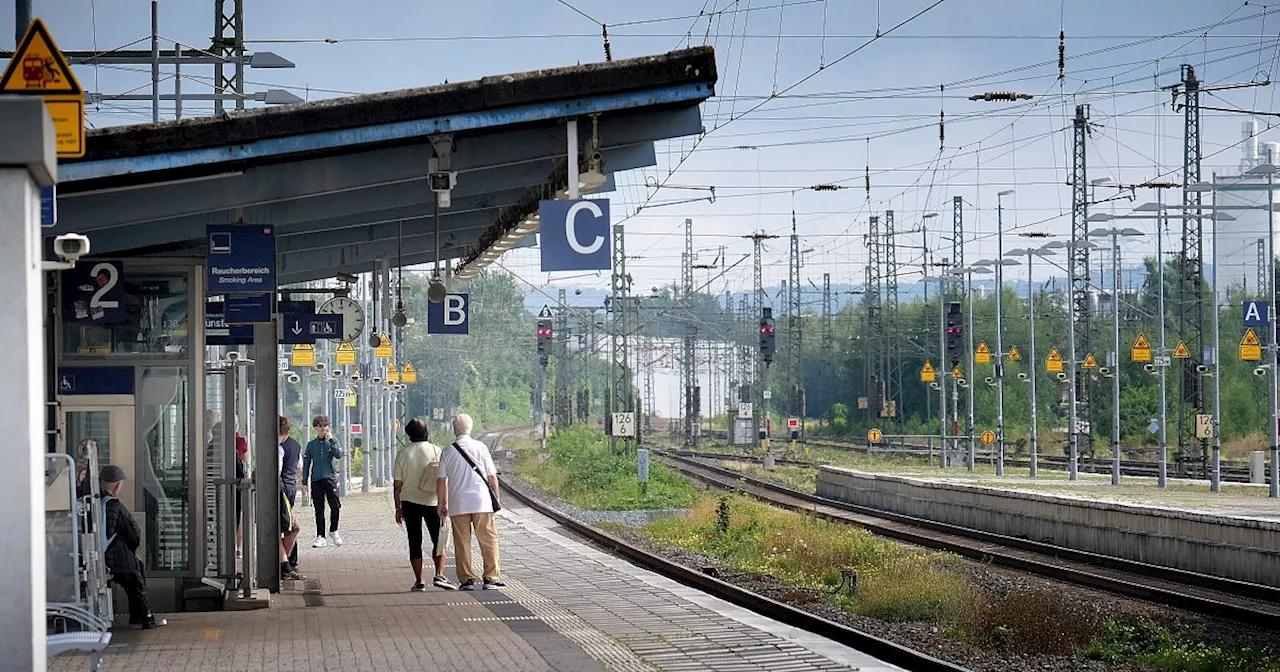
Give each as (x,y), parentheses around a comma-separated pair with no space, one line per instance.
(351,312)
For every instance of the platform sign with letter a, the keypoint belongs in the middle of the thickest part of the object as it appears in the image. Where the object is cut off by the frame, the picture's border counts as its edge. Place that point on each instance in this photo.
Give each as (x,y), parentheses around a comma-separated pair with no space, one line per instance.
(1255,313)
(450,316)
(574,235)
(38,68)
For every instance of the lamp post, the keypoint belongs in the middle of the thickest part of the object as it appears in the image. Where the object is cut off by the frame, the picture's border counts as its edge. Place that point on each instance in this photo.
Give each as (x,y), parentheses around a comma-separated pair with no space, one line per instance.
(1031,253)
(999,367)
(1073,419)
(967,272)
(1115,234)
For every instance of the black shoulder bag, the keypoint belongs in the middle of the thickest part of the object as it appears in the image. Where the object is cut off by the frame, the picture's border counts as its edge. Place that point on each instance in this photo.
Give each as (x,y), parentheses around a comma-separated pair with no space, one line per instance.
(493,498)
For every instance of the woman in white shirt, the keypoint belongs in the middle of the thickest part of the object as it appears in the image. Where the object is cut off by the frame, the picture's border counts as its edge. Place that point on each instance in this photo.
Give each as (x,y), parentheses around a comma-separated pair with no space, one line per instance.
(415,475)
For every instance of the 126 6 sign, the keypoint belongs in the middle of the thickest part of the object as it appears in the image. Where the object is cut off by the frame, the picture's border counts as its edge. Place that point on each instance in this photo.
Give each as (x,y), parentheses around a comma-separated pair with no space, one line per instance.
(624,424)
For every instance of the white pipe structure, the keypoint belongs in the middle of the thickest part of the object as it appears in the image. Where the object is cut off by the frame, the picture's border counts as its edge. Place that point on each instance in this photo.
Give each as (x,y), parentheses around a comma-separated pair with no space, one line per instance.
(1031,253)
(1073,419)
(1115,234)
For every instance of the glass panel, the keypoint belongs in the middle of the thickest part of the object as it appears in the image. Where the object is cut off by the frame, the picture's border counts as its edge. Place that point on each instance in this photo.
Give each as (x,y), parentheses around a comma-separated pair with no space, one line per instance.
(86,429)
(162,403)
(153,318)
(61,552)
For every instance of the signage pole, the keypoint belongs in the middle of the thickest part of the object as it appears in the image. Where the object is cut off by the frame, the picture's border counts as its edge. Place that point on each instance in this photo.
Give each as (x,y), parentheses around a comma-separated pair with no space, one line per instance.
(1274,432)
(1031,347)
(366,424)
(942,357)
(267,431)
(999,367)
(1163,475)
(1215,474)
(26,164)
(1115,370)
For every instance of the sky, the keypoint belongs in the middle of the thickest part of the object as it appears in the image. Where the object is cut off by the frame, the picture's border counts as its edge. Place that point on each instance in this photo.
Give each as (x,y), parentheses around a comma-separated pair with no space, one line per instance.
(807,95)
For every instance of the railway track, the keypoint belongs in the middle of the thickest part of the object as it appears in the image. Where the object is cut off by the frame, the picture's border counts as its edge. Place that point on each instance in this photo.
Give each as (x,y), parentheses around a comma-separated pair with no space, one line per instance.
(1232,472)
(1248,603)
(887,651)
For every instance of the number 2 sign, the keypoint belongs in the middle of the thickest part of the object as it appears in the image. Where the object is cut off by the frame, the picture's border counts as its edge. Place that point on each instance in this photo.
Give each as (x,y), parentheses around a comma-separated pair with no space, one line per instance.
(91,292)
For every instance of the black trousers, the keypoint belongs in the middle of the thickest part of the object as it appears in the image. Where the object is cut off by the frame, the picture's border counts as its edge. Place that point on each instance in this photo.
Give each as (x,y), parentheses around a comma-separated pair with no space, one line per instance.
(134,585)
(414,516)
(325,491)
(292,494)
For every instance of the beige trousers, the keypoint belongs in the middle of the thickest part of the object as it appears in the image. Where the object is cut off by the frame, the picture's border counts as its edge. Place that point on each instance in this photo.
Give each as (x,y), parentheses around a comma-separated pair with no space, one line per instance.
(486,535)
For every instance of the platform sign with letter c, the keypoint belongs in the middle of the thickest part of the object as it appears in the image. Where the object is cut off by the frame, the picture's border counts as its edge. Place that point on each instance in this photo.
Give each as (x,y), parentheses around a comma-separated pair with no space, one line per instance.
(450,316)
(574,235)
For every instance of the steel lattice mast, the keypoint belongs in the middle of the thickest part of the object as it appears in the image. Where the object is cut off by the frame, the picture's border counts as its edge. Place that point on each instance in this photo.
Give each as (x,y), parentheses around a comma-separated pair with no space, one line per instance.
(794,327)
(620,396)
(688,369)
(1078,397)
(892,350)
(560,409)
(875,329)
(1191,300)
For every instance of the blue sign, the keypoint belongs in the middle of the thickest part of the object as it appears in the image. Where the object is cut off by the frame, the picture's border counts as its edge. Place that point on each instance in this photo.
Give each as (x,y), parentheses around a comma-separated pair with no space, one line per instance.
(575,235)
(241,259)
(1153,427)
(450,316)
(49,205)
(296,328)
(92,292)
(95,380)
(247,308)
(287,306)
(1255,313)
(218,332)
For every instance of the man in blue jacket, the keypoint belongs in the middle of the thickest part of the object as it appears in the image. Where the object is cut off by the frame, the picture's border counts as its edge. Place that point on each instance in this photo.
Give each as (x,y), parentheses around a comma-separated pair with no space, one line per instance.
(320,469)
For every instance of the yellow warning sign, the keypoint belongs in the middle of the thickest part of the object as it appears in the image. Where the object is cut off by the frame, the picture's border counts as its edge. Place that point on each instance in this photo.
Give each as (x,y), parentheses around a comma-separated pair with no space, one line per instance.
(988,437)
(957,374)
(1182,352)
(1141,350)
(346,355)
(1090,362)
(983,354)
(1014,354)
(383,351)
(1250,346)
(350,401)
(38,68)
(303,355)
(408,374)
(874,435)
(1053,363)
(393,374)
(927,374)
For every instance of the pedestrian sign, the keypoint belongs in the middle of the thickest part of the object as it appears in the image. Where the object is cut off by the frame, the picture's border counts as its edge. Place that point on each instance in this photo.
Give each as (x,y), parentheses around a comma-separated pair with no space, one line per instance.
(1053,363)
(383,351)
(408,374)
(1090,362)
(1141,350)
(874,435)
(956,374)
(303,355)
(927,374)
(393,374)
(982,355)
(1182,352)
(988,437)
(346,355)
(1014,354)
(38,68)
(1250,347)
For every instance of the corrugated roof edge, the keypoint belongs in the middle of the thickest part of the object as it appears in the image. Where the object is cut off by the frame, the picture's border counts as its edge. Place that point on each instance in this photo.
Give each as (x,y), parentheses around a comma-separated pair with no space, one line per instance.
(677,67)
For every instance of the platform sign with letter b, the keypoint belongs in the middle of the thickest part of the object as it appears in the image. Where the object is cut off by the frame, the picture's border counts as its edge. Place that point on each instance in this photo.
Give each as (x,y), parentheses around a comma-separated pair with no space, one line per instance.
(450,316)
(574,235)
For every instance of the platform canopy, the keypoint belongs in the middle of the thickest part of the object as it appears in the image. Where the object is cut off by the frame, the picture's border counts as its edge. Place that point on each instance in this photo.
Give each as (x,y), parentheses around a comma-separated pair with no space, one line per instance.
(344,181)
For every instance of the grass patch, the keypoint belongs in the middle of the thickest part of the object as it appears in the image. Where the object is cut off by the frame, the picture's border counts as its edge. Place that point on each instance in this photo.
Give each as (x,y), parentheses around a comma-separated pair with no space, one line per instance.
(1161,648)
(579,468)
(791,476)
(894,582)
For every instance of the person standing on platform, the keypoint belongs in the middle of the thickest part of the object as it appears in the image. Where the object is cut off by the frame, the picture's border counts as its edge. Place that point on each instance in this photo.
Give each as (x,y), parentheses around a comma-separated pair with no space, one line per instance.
(467,491)
(319,468)
(123,537)
(290,453)
(414,486)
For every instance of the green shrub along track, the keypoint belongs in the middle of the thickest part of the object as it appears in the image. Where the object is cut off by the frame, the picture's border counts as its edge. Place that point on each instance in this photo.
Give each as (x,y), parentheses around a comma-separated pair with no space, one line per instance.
(1248,603)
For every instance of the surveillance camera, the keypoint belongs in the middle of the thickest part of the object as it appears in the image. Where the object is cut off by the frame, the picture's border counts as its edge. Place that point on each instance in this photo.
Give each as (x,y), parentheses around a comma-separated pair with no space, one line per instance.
(1022,376)
(991,381)
(1149,368)
(1062,376)
(70,247)
(577,292)
(320,366)
(377,379)
(337,373)
(935,386)
(233,356)
(1201,368)
(294,378)
(355,375)
(962,383)
(1260,371)
(1104,371)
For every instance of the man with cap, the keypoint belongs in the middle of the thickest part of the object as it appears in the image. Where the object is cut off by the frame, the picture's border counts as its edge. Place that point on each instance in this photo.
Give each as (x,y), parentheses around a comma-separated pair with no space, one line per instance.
(121,547)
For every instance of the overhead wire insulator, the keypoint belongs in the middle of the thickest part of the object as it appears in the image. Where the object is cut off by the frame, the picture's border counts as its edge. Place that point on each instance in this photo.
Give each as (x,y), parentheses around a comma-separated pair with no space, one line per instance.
(608,48)
(867,179)
(942,117)
(1062,53)
(1000,95)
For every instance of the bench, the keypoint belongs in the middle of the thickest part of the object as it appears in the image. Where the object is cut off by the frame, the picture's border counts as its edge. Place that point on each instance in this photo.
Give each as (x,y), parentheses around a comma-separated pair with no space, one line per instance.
(92,637)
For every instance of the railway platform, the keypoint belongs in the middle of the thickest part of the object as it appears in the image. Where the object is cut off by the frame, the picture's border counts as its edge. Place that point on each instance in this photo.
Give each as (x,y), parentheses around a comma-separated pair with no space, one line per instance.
(567,608)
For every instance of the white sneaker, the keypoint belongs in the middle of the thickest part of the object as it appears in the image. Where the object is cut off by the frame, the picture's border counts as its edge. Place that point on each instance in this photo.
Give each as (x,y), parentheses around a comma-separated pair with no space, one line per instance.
(337,538)
(320,543)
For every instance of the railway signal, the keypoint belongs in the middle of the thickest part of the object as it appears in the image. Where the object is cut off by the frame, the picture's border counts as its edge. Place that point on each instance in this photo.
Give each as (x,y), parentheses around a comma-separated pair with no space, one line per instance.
(955,334)
(767,335)
(544,341)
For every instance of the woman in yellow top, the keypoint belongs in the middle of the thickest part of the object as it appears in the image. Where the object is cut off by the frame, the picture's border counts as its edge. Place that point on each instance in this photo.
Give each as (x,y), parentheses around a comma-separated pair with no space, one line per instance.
(415,475)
